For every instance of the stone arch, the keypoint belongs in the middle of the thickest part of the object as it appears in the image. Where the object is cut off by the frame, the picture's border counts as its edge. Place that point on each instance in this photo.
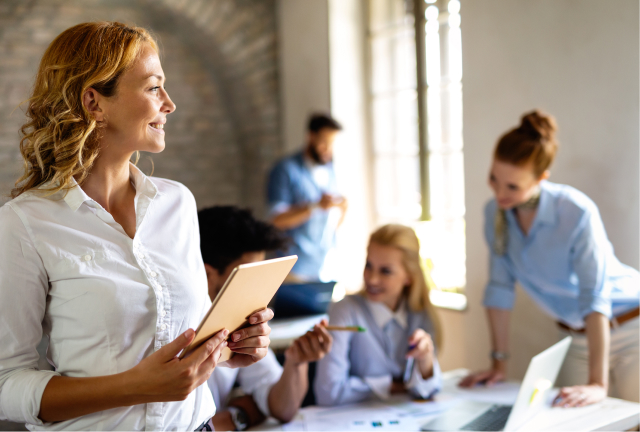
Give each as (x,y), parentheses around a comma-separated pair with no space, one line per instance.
(220,58)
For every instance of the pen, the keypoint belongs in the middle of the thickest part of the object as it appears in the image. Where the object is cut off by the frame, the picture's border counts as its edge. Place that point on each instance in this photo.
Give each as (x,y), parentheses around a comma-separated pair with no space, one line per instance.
(409,367)
(347,328)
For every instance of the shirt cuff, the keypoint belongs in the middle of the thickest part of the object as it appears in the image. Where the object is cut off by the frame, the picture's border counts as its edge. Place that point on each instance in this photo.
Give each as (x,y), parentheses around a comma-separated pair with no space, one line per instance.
(499,297)
(425,388)
(278,208)
(590,303)
(261,397)
(380,386)
(21,395)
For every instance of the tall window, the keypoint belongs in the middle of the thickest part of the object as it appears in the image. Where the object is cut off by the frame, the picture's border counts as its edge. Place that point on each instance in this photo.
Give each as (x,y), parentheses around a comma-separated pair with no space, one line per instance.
(416,111)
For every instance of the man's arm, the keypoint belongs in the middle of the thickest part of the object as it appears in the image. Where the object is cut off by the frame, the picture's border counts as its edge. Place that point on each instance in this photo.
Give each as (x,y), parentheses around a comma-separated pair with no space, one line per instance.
(296,215)
(287,394)
(293,217)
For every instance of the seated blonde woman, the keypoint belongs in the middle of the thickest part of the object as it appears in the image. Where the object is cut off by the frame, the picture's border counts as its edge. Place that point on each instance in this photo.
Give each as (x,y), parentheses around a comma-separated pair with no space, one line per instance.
(400,323)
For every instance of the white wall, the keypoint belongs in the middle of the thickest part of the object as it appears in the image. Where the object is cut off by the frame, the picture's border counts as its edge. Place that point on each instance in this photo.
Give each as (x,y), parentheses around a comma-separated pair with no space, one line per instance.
(322,58)
(303,36)
(578,60)
(347,48)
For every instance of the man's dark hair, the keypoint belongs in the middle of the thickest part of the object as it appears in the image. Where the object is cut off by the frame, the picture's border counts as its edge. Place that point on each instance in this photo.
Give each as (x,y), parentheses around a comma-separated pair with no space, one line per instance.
(320,121)
(228,232)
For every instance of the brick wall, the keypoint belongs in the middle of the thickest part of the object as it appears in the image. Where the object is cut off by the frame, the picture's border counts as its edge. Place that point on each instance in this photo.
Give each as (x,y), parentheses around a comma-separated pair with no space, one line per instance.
(220,59)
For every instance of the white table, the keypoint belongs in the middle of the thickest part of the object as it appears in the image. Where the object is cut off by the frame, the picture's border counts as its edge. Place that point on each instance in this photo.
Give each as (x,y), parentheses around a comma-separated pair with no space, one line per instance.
(285,331)
(400,413)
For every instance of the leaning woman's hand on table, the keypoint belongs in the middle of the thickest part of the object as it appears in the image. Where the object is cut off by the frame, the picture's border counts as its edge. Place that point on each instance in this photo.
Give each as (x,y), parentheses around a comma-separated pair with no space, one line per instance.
(580,395)
(250,344)
(163,377)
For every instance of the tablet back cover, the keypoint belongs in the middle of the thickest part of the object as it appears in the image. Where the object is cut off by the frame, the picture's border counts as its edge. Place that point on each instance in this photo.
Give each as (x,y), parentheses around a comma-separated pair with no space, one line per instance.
(250,288)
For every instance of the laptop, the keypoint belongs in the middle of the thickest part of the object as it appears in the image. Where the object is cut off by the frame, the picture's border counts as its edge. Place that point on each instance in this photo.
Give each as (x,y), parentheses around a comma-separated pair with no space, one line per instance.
(482,416)
(295,300)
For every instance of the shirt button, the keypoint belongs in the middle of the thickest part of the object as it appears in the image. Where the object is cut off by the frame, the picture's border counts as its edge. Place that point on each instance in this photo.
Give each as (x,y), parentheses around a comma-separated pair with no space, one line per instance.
(163,313)
(141,256)
(87,257)
(163,327)
(153,274)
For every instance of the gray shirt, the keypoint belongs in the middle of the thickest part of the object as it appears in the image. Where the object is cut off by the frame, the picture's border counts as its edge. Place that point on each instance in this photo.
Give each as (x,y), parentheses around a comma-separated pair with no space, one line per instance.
(361,365)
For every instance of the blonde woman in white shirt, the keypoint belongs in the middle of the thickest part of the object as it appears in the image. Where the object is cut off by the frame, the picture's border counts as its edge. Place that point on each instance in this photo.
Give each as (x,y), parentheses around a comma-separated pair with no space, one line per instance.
(396,353)
(102,259)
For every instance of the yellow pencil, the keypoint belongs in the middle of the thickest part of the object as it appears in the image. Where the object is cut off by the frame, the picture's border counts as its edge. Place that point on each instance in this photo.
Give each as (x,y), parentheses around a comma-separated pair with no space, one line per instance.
(357,329)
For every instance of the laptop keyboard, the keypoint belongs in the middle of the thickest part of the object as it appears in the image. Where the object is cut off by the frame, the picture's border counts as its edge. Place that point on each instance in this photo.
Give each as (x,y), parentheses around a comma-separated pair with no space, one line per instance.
(492,420)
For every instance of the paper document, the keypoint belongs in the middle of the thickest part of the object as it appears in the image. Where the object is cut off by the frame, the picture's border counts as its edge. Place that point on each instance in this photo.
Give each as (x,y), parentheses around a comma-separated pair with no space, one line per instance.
(395,414)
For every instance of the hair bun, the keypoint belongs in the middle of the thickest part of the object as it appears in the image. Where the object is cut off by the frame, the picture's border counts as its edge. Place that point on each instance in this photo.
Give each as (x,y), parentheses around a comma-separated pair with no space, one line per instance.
(539,125)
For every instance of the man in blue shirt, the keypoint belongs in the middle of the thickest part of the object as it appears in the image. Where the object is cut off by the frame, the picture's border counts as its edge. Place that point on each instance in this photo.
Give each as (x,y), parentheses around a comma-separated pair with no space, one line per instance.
(304,201)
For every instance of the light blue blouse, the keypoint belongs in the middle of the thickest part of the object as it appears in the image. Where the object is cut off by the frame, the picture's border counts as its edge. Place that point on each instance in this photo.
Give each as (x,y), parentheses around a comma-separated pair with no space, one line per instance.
(566,262)
(361,365)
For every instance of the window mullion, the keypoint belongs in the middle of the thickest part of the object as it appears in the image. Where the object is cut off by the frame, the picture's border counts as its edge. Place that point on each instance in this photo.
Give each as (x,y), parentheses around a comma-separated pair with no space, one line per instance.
(423,135)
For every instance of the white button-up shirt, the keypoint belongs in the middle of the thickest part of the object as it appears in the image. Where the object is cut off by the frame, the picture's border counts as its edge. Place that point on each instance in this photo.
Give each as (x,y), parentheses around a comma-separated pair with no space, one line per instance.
(256,380)
(105,301)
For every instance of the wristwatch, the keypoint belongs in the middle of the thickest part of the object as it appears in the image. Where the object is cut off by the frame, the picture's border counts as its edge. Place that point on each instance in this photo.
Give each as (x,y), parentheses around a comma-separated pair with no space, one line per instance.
(239,418)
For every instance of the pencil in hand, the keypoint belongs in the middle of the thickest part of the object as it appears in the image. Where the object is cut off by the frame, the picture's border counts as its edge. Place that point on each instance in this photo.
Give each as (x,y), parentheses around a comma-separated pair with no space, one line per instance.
(357,329)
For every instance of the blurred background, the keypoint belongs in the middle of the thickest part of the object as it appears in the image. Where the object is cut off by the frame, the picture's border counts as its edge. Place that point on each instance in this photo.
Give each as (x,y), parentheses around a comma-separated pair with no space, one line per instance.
(423,89)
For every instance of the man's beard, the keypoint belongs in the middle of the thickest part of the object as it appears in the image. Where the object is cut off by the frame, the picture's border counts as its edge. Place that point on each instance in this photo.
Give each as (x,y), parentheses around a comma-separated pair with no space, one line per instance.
(315,156)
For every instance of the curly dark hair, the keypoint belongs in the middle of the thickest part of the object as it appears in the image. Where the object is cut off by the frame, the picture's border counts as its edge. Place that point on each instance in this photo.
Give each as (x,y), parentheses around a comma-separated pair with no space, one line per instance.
(228,232)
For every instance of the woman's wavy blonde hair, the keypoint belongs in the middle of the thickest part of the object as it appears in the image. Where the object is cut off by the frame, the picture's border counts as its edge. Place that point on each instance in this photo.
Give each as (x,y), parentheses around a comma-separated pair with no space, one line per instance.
(60,140)
(404,238)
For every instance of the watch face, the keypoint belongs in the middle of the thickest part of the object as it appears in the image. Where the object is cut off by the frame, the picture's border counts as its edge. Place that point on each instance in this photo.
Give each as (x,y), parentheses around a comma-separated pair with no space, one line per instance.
(239,417)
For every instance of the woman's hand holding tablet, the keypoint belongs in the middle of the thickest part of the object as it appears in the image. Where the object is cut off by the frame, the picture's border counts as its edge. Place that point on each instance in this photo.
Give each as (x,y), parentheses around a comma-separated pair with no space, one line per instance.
(163,377)
(252,341)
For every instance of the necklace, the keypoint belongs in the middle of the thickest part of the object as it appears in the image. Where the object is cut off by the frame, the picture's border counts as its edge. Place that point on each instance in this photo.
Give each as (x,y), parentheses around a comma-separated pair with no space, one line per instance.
(501,237)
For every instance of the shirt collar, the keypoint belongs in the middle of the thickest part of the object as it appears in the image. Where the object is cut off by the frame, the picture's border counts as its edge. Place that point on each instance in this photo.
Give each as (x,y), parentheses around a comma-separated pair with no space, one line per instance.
(142,183)
(382,314)
(75,196)
(546,207)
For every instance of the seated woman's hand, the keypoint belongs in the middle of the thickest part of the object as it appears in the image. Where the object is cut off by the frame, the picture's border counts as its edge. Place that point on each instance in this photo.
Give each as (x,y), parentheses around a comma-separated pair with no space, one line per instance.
(488,377)
(163,377)
(312,346)
(250,344)
(422,350)
(580,395)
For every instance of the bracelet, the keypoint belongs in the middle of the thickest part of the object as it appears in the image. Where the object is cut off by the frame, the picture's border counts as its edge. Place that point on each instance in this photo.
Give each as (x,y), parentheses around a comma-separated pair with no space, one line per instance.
(499,355)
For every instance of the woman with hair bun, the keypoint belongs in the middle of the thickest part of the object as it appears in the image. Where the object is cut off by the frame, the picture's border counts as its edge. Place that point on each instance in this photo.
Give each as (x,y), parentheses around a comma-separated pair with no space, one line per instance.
(550,238)
(102,259)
